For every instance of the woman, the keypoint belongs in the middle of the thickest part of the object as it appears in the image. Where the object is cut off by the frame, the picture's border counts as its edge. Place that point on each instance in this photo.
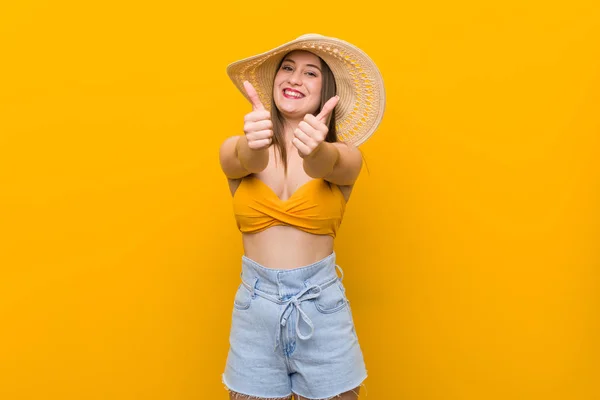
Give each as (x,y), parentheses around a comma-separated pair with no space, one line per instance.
(291,177)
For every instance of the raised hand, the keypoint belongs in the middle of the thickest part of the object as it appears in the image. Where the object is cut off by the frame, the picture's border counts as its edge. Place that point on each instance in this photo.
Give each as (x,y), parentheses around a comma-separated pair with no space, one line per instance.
(312,131)
(258,126)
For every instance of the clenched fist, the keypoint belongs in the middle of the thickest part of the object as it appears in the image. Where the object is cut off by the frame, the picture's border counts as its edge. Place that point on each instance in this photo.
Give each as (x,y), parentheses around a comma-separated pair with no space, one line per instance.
(312,131)
(257,123)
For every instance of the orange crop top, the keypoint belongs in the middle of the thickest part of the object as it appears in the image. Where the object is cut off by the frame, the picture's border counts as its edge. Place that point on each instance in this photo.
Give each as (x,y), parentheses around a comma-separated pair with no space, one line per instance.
(316,207)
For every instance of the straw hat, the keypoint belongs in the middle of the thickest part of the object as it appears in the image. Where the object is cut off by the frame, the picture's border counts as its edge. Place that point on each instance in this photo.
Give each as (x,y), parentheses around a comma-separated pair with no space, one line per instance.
(358,81)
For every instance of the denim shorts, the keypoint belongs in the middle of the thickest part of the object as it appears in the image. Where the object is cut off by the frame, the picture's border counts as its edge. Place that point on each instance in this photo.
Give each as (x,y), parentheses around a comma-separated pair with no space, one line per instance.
(292,332)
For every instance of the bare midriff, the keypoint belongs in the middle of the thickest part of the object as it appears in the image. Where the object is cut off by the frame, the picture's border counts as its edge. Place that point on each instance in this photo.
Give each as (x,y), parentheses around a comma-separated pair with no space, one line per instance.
(286,247)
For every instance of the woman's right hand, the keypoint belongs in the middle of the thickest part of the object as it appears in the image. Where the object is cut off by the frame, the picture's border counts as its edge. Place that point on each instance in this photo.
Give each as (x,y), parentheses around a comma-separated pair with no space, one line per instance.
(257,123)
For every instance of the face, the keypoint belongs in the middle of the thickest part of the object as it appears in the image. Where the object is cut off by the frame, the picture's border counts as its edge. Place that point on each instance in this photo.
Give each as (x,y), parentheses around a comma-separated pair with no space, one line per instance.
(297,85)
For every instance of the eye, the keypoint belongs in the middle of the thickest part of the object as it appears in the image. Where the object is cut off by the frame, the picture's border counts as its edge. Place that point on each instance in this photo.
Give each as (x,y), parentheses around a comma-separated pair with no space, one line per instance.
(286,68)
(312,74)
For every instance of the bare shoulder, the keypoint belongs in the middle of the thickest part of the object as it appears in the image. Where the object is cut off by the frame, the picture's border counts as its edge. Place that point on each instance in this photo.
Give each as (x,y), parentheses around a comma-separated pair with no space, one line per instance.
(230,164)
(229,142)
(348,166)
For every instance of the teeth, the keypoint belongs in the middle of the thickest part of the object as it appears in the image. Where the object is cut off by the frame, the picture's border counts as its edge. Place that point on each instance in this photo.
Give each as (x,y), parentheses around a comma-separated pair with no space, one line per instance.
(293,94)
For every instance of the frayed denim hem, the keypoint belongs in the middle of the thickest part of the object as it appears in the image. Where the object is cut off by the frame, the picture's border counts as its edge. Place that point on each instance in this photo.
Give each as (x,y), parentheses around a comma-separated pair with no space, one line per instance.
(362,384)
(239,395)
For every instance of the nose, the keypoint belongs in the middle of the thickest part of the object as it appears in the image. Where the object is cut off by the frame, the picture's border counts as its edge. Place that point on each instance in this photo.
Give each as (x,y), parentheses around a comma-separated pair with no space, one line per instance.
(295,78)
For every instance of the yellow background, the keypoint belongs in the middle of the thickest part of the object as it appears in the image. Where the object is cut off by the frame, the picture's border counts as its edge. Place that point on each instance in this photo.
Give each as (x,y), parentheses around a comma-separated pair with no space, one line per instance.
(470,243)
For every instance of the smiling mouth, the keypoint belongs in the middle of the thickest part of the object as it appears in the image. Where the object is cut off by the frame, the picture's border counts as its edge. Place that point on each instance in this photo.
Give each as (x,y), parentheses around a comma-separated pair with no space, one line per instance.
(291,94)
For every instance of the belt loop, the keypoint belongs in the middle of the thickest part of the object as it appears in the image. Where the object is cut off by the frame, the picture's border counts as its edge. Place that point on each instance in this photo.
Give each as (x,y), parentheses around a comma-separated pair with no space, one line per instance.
(279,285)
(341,271)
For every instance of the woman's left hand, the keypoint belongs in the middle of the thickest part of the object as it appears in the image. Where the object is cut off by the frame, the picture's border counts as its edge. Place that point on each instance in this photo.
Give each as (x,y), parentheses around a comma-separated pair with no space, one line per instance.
(311,132)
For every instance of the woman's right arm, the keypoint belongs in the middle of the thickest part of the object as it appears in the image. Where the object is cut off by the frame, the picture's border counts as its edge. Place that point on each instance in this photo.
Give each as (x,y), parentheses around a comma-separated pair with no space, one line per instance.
(238,160)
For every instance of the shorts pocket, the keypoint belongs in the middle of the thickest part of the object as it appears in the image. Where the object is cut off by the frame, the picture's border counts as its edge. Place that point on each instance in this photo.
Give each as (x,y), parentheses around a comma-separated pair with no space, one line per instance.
(243,298)
(331,299)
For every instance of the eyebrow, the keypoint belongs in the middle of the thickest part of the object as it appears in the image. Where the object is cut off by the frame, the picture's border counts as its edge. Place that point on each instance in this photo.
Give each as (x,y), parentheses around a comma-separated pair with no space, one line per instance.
(308,65)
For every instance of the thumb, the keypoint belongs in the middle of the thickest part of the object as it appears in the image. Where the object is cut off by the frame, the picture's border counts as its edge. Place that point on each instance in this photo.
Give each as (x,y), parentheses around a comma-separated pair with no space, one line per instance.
(328,108)
(253,96)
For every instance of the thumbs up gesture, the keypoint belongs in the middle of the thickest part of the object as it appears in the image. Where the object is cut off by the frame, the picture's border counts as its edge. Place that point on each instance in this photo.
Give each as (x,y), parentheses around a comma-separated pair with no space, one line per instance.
(258,126)
(312,131)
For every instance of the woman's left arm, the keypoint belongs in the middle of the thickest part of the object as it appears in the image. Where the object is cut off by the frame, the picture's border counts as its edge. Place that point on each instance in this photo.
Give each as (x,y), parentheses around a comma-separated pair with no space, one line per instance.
(335,162)
(338,163)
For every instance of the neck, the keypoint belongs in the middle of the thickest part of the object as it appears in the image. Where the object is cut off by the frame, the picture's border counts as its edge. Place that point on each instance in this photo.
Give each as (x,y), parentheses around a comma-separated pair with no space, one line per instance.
(289,128)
